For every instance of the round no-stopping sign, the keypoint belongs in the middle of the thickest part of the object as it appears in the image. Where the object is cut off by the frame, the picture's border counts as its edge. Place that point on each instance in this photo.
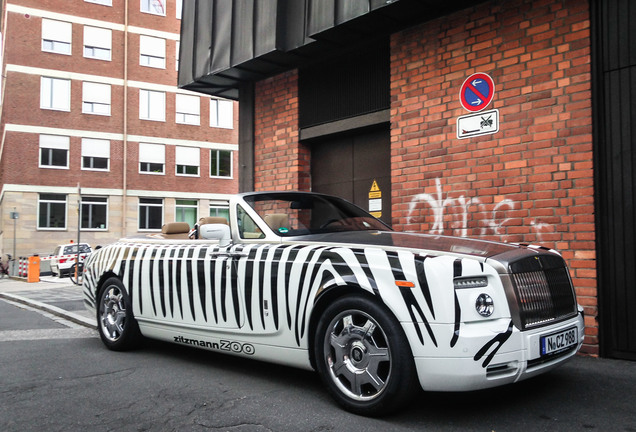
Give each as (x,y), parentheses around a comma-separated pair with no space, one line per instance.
(477,92)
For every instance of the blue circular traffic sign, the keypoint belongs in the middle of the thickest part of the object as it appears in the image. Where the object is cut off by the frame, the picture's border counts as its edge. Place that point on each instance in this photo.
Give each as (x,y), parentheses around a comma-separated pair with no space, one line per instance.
(477,92)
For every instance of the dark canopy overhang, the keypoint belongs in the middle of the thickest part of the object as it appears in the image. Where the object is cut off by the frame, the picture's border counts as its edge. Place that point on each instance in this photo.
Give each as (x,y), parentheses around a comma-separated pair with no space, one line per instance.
(225,43)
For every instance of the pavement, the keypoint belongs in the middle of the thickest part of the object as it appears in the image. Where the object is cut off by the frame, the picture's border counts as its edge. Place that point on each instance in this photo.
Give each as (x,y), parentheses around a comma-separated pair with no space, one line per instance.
(57,296)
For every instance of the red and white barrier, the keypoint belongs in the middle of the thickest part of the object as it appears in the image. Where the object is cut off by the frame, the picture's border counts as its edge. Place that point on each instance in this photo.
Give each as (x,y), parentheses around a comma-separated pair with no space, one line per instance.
(23,264)
(63,258)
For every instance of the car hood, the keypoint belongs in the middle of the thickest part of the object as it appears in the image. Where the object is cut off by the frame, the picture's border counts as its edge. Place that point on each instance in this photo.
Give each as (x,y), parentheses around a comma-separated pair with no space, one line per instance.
(422,242)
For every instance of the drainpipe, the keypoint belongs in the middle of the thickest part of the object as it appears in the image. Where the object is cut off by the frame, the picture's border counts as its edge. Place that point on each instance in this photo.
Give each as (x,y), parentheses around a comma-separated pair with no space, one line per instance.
(125,131)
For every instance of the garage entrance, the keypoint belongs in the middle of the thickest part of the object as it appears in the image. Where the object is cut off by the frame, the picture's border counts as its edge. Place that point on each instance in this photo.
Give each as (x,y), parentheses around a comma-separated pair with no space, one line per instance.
(615,135)
(348,166)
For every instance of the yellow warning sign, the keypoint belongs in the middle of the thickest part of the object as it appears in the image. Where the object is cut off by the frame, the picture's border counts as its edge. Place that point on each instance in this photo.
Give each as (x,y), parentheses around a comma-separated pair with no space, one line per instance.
(375,191)
(375,200)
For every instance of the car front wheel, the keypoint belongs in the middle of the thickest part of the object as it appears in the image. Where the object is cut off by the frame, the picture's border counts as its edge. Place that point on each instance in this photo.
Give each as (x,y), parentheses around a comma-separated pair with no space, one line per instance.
(363,357)
(117,327)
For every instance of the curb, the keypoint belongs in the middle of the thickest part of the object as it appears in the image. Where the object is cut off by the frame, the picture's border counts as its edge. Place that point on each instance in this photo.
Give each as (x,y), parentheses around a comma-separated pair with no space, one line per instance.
(70,316)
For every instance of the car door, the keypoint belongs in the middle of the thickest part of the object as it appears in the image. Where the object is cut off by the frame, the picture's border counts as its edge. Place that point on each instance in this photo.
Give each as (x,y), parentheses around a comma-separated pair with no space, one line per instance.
(189,284)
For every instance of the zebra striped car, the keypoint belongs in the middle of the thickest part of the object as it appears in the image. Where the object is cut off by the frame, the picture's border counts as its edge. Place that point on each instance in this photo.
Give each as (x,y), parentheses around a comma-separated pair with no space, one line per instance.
(312,281)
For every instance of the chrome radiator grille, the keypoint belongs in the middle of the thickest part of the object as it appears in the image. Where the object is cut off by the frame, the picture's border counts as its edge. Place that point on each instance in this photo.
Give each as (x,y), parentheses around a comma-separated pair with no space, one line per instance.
(544,290)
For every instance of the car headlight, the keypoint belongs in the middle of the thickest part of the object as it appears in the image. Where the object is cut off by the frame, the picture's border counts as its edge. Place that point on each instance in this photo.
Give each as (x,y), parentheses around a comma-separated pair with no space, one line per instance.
(484,305)
(470,282)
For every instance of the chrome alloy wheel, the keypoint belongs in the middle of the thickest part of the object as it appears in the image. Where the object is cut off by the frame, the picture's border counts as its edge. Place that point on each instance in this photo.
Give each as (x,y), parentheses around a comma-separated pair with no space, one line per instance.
(112,312)
(358,355)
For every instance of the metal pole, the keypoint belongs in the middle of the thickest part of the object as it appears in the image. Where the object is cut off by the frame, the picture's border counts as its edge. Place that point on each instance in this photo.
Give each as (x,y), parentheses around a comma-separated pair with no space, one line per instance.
(15,220)
(79,225)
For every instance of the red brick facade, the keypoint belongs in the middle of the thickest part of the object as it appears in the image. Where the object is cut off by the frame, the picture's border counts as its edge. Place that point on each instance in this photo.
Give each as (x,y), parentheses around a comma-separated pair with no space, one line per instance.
(532,182)
(26,62)
(282,162)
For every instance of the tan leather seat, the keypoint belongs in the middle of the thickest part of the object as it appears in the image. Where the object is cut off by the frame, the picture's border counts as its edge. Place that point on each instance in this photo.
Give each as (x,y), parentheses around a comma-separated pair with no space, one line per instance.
(175,230)
(212,220)
(277,220)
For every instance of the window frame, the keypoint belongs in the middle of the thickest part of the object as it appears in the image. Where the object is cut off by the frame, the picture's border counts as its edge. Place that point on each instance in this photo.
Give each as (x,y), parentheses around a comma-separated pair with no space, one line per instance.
(54,93)
(95,99)
(100,48)
(66,41)
(152,160)
(217,168)
(215,209)
(181,205)
(147,108)
(149,54)
(49,202)
(101,2)
(216,118)
(149,205)
(95,154)
(149,4)
(181,110)
(179,9)
(43,145)
(187,156)
(104,203)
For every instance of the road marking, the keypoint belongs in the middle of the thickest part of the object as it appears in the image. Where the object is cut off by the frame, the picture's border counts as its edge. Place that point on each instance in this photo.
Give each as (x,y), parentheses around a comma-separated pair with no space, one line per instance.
(31,335)
(74,331)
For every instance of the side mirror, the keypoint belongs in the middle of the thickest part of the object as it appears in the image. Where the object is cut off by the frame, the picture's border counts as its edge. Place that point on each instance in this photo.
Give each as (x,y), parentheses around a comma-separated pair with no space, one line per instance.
(220,232)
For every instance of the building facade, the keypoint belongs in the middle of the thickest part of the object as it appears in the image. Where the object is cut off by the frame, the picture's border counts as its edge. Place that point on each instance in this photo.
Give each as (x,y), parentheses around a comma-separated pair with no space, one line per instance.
(96,136)
(369,100)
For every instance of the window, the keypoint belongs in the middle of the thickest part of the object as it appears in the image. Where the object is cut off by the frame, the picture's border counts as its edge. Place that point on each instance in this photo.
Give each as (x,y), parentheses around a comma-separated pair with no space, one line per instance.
(179,8)
(54,151)
(95,154)
(188,109)
(221,113)
(52,211)
(96,98)
(152,52)
(176,58)
(101,2)
(156,7)
(152,158)
(220,163)
(220,210)
(187,160)
(150,213)
(152,105)
(56,36)
(94,213)
(187,211)
(55,94)
(97,43)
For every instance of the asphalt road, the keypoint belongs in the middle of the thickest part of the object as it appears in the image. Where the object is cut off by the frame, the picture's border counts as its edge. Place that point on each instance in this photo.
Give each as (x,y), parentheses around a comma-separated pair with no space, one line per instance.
(57,376)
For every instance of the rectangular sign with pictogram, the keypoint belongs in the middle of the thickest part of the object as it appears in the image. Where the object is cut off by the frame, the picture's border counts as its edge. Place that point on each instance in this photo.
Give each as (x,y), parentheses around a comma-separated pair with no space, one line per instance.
(483,123)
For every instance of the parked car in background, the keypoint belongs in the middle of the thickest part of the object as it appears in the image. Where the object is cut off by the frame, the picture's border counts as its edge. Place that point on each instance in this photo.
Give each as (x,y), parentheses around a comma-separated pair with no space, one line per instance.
(313,281)
(65,255)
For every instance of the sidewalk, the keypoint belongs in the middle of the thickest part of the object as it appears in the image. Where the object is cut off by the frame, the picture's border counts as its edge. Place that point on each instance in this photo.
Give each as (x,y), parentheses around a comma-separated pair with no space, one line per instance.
(57,296)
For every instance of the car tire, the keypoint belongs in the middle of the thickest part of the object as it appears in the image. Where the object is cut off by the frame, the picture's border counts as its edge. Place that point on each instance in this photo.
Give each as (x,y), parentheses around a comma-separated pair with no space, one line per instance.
(363,357)
(116,324)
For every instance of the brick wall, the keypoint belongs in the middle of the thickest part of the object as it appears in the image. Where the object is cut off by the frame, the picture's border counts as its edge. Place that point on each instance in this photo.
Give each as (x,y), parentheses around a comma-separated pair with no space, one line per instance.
(281,161)
(532,182)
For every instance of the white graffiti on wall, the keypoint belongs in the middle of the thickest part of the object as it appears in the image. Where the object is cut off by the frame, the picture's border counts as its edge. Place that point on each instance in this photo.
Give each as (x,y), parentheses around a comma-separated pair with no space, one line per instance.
(451,215)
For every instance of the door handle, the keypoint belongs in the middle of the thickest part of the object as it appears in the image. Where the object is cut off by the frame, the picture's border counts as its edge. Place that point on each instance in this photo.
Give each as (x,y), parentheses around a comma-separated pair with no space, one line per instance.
(228,254)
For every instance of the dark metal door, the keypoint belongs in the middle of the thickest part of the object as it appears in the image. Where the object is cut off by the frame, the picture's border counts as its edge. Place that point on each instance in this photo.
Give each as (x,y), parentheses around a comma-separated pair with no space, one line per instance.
(614,50)
(348,167)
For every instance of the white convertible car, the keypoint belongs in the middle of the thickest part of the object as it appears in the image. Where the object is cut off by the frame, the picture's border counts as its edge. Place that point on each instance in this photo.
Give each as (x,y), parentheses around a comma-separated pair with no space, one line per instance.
(312,281)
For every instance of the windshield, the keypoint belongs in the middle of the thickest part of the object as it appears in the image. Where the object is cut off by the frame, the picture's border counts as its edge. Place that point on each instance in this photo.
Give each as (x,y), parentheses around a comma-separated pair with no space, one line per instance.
(296,213)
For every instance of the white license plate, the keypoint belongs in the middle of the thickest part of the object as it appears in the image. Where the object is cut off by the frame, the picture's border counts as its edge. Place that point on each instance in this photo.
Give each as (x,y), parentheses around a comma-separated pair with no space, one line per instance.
(559,341)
